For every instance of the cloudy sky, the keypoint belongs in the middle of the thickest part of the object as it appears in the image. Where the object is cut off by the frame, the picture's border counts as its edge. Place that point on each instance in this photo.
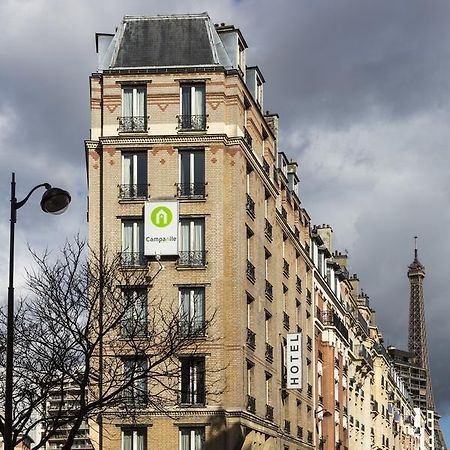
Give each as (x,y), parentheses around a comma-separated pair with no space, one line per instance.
(363,93)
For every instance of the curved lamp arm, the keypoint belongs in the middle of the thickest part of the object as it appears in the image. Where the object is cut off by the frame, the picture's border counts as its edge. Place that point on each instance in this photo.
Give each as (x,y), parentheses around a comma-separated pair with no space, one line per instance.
(18,205)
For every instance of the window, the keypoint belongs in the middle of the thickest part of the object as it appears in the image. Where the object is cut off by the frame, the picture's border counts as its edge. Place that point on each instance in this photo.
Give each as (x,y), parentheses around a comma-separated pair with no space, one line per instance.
(192,438)
(193,108)
(192,242)
(134,322)
(135,371)
(134,115)
(133,243)
(192,380)
(192,310)
(134,438)
(192,174)
(134,176)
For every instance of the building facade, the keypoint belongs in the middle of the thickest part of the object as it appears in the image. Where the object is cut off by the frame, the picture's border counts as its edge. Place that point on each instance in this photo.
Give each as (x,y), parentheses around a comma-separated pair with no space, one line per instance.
(177,119)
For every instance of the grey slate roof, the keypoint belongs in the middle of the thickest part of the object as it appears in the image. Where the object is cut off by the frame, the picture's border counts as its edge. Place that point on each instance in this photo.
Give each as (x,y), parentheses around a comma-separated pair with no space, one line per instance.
(165,41)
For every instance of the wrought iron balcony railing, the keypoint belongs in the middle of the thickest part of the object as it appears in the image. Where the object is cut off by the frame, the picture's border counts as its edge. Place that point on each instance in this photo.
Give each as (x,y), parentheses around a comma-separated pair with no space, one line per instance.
(133,259)
(269,352)
(192,122)
(195,258)
(250,206)
(251,339)
(250,271)
(362,352)
(269,290)
(133,191)
(269,413)
(191,190)
(132,124)
(247,138)
(268,230)
(251,404)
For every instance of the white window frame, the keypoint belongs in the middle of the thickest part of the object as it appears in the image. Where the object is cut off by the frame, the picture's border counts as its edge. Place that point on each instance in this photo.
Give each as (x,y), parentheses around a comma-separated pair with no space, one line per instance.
(192,436)
(135,237)
(192,318)
(134,442)
(134,96)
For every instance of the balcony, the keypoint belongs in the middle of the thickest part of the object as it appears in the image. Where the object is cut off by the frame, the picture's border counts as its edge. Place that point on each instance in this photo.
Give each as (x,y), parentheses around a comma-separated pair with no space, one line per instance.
(251,339)
(330,318)
(284,214)
(269,413)
(310,437)
(269,291)
(298,284)
(250,272)
(363,353)
(133,259)
(269,353)
(374,407)
(133,191)
(192,122)
(286,320)
(251,404)
(300,432)
(250,207)
(191,190)
(287,426)
(130,124)
(285,268)
(192,258)
(268,230)
(266,168)
(247,138)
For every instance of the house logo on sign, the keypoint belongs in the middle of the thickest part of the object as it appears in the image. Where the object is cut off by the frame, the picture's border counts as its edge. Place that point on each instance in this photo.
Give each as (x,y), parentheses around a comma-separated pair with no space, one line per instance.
(161,216)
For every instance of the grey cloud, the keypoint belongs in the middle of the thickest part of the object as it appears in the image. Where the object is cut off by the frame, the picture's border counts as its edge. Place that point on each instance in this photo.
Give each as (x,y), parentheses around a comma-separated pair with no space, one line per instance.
(362,89)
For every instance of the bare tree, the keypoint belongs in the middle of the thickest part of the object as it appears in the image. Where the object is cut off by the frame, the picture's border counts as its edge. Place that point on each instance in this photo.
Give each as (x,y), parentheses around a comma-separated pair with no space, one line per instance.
(92,337)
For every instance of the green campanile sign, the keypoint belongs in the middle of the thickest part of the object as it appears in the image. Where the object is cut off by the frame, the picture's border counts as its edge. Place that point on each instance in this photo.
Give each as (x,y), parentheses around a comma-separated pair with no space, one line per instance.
(161,228)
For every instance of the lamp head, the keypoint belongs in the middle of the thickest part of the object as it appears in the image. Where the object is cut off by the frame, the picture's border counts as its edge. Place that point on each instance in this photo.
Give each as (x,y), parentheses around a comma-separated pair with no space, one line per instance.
(55,200)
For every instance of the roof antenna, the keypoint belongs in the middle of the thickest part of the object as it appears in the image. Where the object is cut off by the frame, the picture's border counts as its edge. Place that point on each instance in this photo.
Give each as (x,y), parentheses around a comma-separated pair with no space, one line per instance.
(415,247)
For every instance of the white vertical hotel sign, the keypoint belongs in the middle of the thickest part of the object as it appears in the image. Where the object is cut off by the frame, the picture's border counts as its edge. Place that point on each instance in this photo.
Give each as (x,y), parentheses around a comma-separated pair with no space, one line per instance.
(161,228)
(294,361)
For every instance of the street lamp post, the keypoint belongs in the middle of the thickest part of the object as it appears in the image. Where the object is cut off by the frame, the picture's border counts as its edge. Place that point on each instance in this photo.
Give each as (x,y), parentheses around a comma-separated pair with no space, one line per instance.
(54,201)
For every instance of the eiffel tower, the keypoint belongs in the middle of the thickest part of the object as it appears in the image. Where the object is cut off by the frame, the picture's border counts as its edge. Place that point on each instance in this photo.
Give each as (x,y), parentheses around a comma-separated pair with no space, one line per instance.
(417,337)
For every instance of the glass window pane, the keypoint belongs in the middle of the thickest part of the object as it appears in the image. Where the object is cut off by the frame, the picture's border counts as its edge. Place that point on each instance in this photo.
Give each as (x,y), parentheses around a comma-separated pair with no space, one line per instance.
(127,105)
(141,169)
(199,167)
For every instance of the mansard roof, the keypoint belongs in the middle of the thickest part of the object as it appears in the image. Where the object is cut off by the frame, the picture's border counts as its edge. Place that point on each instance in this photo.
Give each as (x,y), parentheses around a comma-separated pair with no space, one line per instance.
(165,41)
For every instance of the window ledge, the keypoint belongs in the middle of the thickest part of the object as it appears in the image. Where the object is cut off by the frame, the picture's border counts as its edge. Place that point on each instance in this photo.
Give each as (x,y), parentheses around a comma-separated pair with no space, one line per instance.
(191,267)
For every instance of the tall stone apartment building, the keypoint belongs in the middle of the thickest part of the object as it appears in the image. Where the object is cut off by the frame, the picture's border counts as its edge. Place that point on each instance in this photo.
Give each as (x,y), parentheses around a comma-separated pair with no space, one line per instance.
(178,127)
(177,115)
